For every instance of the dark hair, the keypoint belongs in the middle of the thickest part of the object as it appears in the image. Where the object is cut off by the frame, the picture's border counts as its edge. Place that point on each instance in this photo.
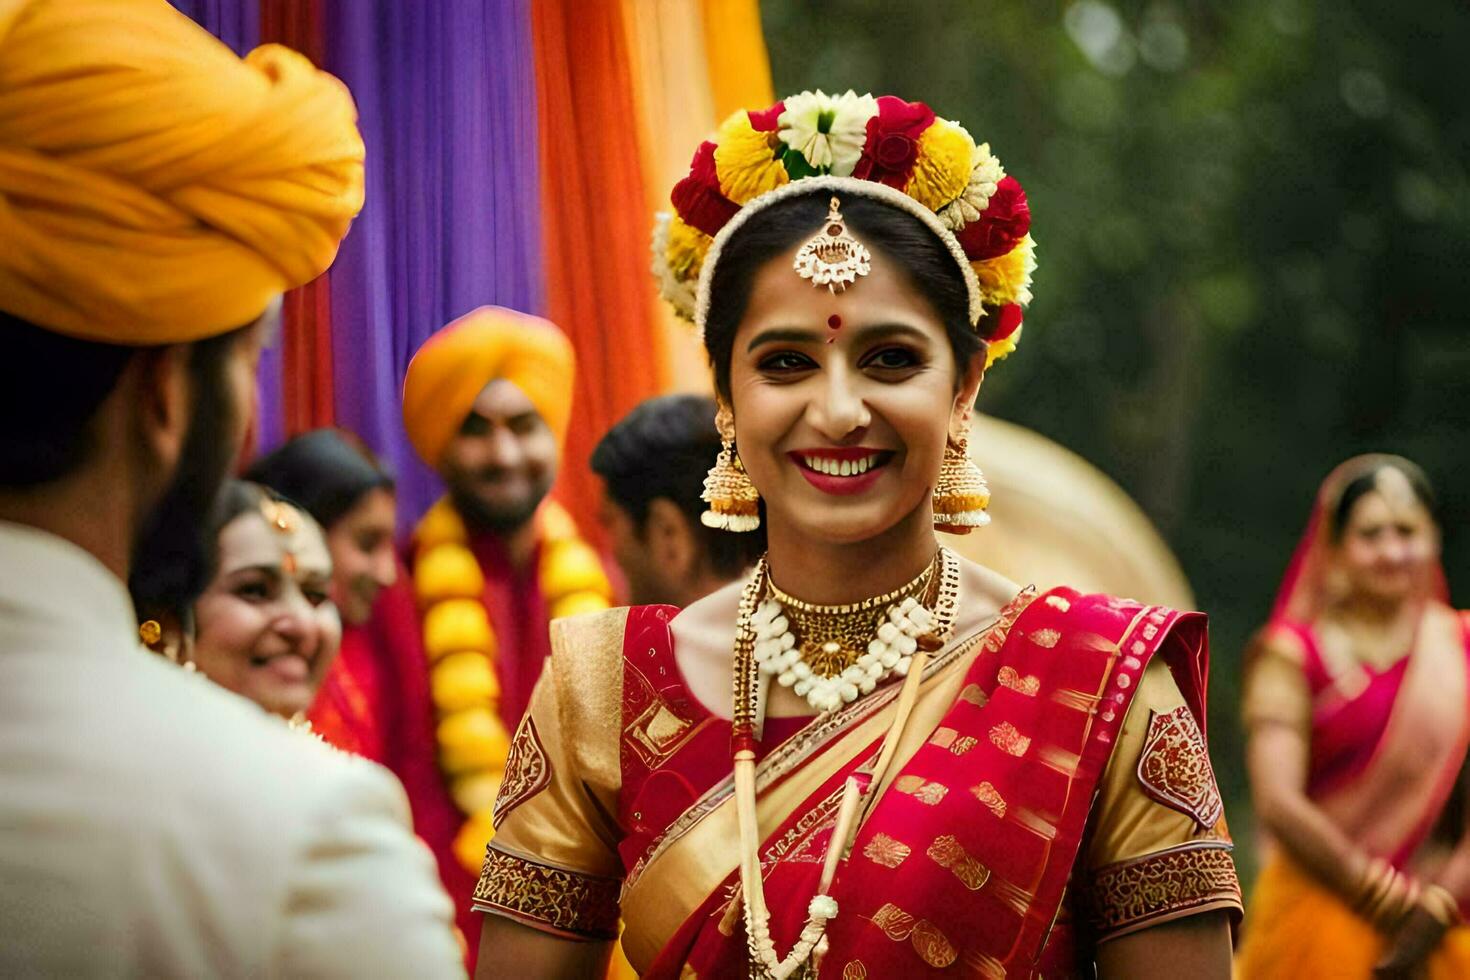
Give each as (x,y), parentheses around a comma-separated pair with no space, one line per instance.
(51,387)
(664,448)
(1365,483)
(325,472)
(883,228)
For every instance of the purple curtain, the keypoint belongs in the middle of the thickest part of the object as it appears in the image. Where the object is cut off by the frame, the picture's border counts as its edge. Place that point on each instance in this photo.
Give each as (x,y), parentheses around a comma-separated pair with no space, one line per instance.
(235,22)
(446,92)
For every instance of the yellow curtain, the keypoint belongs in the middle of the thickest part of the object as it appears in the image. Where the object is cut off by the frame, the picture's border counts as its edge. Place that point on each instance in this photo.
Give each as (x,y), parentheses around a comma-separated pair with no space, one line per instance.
(693,62)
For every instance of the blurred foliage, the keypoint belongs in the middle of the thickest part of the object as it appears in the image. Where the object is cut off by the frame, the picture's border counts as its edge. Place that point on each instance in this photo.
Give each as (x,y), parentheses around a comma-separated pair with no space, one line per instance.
(1254,234)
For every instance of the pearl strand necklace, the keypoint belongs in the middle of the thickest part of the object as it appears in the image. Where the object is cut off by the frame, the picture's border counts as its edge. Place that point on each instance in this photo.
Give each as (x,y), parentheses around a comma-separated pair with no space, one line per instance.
(900,629)
(751,679)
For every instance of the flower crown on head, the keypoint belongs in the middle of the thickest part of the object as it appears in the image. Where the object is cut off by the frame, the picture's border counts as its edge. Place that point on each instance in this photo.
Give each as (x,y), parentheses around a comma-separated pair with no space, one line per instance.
(885,148)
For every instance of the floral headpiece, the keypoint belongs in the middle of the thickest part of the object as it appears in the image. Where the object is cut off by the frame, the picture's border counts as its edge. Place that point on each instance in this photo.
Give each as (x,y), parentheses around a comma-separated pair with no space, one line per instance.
(885,148)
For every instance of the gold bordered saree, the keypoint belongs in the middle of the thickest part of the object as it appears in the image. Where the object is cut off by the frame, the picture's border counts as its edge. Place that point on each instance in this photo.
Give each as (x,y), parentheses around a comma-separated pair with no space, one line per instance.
(1052,791)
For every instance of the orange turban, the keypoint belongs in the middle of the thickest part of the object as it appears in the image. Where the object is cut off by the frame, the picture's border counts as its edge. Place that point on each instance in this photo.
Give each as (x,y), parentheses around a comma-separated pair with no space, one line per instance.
(154,187)
(488,344)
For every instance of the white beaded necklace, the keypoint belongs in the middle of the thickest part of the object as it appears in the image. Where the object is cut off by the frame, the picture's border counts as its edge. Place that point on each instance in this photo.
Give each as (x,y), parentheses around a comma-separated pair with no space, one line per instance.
(886,652)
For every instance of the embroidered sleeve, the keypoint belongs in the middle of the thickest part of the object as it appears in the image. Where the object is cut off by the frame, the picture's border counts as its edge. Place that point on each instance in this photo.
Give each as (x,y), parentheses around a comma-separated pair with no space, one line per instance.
(1158,846)
(553,862)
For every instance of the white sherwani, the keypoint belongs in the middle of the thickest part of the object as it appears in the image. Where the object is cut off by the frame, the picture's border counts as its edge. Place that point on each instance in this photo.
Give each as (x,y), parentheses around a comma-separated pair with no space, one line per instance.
(153,824)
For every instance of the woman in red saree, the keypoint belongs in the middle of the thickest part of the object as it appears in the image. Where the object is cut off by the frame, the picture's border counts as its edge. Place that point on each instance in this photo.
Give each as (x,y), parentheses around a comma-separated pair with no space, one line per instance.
(1358,710)
(922,766)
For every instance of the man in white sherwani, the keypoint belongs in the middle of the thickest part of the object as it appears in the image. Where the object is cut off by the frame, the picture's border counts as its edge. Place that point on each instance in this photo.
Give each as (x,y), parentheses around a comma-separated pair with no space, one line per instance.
(157,194)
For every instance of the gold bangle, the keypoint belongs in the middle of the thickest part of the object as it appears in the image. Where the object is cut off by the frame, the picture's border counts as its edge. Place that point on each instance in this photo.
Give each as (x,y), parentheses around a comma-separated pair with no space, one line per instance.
(1440,905)
(1373,883)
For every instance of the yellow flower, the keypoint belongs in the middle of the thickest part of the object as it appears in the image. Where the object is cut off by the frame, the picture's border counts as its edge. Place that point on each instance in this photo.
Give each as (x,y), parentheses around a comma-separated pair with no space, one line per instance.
(441,525)
(469,843)
(472,740)
(685,251)
(578,603)
(571,566)
(942,170)
(476,793)
(463,680)
(746,160)
(455,625)
(998,350)
(447,571)
(555,522)
(1006,278)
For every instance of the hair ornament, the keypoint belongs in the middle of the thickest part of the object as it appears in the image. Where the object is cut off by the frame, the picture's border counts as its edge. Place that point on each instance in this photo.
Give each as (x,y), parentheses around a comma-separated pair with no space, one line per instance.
(832,257)
(884,148)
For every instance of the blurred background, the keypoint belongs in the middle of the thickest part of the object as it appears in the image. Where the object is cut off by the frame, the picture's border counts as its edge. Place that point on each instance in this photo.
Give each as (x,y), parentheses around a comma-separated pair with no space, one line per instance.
(1253,227)
(1253,223)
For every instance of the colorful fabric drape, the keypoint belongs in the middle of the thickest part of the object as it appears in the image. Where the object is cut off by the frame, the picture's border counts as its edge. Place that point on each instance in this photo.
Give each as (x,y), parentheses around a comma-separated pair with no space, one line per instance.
(483,143)
(593,214)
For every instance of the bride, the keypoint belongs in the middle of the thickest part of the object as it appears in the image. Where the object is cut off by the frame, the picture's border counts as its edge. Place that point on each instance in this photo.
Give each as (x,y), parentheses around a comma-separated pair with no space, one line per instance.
(871,758)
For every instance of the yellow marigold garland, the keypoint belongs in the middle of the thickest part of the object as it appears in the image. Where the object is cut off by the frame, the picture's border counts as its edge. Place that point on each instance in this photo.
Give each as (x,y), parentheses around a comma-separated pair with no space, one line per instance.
(1006,278)
(747,160)
(460,642)
(942,171)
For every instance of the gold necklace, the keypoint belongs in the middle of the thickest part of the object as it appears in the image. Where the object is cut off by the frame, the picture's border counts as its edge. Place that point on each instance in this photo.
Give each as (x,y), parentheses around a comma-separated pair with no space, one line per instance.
(749,707)
(833,637)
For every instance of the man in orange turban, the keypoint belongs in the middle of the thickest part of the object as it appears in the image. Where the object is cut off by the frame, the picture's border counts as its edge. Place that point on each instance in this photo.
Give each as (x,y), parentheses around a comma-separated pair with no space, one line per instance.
(486,403)
(157,195)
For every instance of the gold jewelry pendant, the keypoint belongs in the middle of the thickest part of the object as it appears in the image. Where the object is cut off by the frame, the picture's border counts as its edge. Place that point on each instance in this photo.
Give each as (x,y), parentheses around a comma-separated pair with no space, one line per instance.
(832,257)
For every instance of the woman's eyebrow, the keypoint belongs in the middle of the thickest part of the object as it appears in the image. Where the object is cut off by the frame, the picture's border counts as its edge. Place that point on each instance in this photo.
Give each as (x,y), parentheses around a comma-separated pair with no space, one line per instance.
(876,331)
(783,335)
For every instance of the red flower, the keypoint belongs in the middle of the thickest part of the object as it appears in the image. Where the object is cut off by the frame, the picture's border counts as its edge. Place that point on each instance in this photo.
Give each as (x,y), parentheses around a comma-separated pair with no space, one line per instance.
(767,120)
(893,141)
(1003,223)
(1006,321)
(697,197)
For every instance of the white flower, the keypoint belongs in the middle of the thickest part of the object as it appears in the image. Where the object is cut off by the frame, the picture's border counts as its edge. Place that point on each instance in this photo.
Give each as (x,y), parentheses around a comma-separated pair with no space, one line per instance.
(829,131)
(680,294)
(985,173)
(822,907)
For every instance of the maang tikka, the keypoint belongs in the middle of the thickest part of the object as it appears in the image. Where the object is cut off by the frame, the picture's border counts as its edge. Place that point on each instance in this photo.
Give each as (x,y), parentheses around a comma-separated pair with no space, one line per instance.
(733,503)
(961,496)
(832,257)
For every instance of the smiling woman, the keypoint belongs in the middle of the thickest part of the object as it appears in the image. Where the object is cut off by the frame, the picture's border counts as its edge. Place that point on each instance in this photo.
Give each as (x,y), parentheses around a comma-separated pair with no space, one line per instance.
(871,758)
(266,627)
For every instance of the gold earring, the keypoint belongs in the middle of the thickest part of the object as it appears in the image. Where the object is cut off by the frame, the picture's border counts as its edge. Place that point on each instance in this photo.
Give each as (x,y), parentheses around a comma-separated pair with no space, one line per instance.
(734,504)
(961,495)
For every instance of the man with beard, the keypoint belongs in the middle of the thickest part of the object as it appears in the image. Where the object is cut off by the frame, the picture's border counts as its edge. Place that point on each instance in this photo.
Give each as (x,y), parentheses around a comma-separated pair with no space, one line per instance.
(157,195)
(486,403)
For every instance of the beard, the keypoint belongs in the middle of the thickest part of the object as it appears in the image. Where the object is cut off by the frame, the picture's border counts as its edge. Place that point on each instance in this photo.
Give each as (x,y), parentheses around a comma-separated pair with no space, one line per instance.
(173,553)
(499,519)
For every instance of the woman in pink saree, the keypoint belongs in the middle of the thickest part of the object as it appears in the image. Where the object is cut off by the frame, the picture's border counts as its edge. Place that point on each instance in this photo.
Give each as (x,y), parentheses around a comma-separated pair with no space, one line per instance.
(1358,711)
(870,758)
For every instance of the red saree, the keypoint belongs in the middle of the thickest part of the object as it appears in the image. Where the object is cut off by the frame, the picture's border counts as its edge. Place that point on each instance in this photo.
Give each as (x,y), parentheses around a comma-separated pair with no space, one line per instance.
(965,859)
(348,711)
(1387,746)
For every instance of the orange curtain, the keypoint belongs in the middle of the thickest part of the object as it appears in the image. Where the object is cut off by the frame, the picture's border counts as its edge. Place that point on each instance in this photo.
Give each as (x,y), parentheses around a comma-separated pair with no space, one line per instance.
(595,229)
(306,314)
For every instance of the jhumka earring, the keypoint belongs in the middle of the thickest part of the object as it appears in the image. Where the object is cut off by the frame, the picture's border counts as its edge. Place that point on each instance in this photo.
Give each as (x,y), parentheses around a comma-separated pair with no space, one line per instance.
(734,504)
(961,495)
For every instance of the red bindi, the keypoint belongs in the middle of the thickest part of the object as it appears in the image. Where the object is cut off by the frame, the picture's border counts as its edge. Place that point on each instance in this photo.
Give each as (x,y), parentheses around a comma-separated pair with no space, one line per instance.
(834,321)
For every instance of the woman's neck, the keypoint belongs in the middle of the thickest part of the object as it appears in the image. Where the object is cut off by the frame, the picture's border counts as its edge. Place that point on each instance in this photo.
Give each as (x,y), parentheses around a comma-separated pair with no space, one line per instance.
(1377,612)
(832,573)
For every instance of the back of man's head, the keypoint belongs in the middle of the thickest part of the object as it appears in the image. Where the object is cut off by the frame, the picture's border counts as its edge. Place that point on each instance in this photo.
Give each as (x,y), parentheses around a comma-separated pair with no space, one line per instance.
(662,450)
(153,225)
